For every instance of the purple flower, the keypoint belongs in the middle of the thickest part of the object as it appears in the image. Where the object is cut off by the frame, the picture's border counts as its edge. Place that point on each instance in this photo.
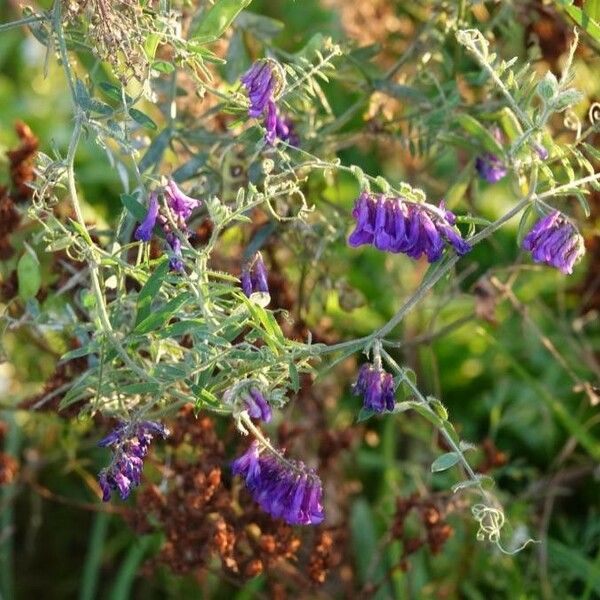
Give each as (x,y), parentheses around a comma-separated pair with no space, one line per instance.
(376,387)
(286,132)
(181,204)
(285,489)
(271,122)
(130,443)
(262,83)
(555,241)
(490,167)
(394,225)
(181,207)
(144,231)
(257,405)
(254,277)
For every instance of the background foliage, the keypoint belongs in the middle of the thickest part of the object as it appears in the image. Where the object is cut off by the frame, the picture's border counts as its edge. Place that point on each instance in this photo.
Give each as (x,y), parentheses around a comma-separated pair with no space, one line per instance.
(510,348)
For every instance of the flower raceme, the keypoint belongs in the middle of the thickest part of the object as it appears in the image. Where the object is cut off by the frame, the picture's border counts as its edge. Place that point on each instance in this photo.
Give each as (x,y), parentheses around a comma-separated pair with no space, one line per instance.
(181,207)
(263,82)
(376,387)
(555,241)
(396,225)
(284,489)
(130,443)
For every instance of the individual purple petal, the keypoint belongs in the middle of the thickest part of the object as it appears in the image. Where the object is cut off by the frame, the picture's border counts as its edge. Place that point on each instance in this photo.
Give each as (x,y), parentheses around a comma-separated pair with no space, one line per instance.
(246,281)
(248,465)
(271,122)
(144,231)
(257,406)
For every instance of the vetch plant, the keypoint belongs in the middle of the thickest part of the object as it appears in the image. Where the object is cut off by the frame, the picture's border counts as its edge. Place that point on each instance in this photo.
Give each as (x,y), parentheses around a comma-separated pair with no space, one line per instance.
(160,332)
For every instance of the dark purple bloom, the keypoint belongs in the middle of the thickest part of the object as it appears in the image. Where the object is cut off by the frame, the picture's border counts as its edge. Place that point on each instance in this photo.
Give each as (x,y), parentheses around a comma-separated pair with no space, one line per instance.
(257,405)
(130,443)
(262,83)
(376,386)
(555,241)
(254,277)
(490,167)
(144,231)
(175,260)
(394,225)
(271,122)
(286,132)
(181,207)
(285,489)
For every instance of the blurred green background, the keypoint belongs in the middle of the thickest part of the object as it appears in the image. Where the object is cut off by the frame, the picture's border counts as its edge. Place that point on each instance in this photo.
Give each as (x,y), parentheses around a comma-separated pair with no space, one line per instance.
(507,373)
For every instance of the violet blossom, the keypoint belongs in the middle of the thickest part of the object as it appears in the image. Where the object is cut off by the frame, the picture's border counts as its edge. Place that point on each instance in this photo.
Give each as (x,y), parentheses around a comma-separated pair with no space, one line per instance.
(130,444)
(555,241)
(395,225)
(284,489)
(376,386)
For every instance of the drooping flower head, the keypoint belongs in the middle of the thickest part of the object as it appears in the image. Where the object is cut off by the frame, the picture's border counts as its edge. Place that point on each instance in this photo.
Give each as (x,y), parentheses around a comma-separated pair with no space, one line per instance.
(263,82)
(555,241)
(395,225)
(254,277)
(180,207)
(283,488)
(376,386)
(130,444)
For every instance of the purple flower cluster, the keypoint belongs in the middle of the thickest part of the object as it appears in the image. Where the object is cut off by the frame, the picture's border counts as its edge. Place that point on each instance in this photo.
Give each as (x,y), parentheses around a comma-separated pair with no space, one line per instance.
(254,277)
(284,489)
(181,207)
(130,443)
(394,225)
(376,387)
(555,241)
(263,82)
(257,406)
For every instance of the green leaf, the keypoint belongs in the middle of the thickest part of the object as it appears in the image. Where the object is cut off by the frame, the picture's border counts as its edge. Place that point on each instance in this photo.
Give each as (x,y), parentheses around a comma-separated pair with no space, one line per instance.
(114,92)
(29,275)
(259,25)
(140,388)
(142,118)
(480,133)
(217,19)
(585,21)
(592,9)
(150,291)
(365,414)
(156,149)
(445,461)
(89,104)
(161,316)
(163,66)
(137,210)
